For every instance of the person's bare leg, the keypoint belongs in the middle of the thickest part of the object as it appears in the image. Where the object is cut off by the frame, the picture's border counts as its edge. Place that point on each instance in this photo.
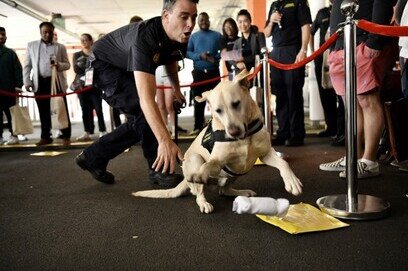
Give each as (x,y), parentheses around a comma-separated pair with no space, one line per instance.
(169,99)
(373,123)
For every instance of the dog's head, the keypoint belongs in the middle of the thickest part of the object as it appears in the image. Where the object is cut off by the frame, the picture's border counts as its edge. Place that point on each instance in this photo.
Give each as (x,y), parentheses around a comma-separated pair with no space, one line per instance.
(232,107)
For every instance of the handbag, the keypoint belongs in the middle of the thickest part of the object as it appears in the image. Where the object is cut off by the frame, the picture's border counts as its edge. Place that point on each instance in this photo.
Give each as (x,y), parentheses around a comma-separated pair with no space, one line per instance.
(20,120)
(59,117)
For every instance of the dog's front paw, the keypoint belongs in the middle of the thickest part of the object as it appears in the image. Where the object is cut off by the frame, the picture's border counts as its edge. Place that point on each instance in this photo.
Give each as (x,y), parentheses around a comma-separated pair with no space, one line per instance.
(205,207)
(292,183)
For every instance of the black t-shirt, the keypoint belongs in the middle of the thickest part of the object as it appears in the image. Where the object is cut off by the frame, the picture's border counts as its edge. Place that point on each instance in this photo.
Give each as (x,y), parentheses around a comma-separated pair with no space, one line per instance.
(377,11)
(295,14)
(322,22)
(139,46)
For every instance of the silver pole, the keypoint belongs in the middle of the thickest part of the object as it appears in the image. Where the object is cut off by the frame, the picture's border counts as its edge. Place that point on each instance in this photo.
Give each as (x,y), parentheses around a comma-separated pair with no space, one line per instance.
(351,105)
(266,94)
(352,205)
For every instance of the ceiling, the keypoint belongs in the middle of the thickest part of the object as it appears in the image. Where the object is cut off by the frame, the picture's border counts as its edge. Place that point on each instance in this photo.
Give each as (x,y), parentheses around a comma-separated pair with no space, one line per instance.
(92,16)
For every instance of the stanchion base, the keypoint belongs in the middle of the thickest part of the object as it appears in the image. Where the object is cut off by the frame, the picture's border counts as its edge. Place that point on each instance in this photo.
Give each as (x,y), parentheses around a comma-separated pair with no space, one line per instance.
(367,207)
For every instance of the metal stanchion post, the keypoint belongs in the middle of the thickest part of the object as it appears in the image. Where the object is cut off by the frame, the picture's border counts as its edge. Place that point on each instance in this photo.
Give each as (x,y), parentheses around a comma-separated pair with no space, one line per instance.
(352,205)
(176,112)
(266,94)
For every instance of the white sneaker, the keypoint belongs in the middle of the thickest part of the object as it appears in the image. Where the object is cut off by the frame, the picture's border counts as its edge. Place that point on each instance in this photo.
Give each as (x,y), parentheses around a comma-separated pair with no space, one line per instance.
(12,141)
(84,137)
(338,165)
(194,132)
(364,170)
(22,138)
(101,134)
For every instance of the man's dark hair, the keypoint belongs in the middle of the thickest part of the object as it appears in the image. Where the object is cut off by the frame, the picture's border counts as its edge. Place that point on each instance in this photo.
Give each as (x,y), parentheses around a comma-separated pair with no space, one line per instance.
(135,19)
(2,29)
(169,4)
(47,24)
(204,14)
(89,36)
(244,12)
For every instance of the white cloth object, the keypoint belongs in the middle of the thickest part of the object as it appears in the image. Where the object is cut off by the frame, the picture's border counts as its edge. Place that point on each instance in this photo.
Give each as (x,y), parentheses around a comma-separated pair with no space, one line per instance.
(403,41)
(261,206)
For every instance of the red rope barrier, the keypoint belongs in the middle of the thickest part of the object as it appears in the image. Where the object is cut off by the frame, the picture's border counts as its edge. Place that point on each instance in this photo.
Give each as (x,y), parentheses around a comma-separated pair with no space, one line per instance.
(12,94)
(297,65)
(204,82)
(384,30)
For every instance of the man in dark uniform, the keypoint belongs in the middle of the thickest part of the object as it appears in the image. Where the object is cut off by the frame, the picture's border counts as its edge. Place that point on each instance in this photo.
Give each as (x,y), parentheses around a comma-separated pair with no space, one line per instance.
(327,96)
(289,25)
(124,69)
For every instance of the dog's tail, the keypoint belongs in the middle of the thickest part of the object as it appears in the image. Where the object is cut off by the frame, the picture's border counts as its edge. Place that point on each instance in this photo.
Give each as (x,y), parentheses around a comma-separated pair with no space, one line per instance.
(180,190)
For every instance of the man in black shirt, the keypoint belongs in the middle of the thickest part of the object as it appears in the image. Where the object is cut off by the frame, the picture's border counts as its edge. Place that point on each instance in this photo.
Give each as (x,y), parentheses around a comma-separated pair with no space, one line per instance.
(124,66)
(289,25)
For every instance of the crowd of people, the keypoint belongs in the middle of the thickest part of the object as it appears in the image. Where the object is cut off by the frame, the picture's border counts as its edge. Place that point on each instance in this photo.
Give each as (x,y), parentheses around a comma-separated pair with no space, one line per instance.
(147,54)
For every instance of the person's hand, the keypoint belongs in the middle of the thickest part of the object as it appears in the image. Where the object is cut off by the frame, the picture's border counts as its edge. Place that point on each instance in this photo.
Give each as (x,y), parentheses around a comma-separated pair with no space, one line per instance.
(29,88)
(300,56)
(241,66)
(371,53)
(207,57)
(167,154)
(179,97)
(276,17)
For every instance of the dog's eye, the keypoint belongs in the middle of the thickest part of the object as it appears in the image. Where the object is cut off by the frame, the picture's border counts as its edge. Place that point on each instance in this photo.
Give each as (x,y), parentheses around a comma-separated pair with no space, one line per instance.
(236,104)
(218,110)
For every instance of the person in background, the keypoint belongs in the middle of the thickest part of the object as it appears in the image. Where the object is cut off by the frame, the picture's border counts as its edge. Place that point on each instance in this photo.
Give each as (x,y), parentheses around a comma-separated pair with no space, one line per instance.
(251,41)
(89,100)
(289,25)
(41,56)
(229,36)
(127,79)
(10,79)
(328,97)
(204,50)
(374,58)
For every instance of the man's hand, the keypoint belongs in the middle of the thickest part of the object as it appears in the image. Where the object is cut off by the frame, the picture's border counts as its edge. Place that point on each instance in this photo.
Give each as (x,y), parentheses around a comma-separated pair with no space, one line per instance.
(167,155)
(300,56)
(29,88)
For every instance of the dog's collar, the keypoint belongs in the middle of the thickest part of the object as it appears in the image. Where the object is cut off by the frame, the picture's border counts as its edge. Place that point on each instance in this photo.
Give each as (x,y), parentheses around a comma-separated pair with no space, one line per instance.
(210,137)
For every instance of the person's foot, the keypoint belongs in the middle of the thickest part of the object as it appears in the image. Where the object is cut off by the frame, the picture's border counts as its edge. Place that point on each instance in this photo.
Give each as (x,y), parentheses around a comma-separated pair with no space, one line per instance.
(99,174)
(12,141)
(294,142)
(44,141)
(101,134)
(338,141)
(181,129)
(84,137)
(338,165)
(66,142)
(326,133)
(195,132)
(165,179)
(364,170)
(278,141)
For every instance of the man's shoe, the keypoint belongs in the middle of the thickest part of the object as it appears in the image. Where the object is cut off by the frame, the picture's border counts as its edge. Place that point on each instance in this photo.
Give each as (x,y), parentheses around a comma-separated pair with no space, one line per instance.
(66,142)
(339,141)
(181,129)
(278,141)
(44,141)
(338,165)
(84,137)
(294,142)
(364,170)
(195,132)
(99,174)
(165,179)
(12,141)
(326,133)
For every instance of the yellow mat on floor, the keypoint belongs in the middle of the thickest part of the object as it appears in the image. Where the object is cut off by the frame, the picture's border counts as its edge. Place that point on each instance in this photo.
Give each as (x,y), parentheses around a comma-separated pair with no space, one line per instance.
(48,153)
(303,218)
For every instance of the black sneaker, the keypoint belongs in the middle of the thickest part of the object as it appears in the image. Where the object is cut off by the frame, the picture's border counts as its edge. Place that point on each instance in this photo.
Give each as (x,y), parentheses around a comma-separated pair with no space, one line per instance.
(99,174)
(165,179)
(278,141)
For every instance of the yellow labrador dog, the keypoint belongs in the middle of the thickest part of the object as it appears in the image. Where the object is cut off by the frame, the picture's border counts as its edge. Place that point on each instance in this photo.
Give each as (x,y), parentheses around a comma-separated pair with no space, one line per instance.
(228,147)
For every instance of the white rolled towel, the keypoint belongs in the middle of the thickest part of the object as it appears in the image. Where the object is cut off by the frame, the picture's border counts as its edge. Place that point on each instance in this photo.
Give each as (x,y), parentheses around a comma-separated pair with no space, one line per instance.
(261,206)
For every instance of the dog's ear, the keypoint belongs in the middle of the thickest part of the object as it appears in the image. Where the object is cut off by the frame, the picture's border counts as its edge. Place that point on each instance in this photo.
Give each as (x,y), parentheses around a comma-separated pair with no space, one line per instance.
(203,98)
(242,78)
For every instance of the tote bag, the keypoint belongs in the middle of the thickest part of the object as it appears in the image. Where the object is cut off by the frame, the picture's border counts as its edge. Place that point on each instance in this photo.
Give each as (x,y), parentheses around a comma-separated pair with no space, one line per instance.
(59,117)
(20,120)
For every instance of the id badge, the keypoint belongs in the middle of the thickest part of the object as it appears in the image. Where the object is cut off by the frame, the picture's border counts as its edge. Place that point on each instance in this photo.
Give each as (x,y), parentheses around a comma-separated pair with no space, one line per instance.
(89,77)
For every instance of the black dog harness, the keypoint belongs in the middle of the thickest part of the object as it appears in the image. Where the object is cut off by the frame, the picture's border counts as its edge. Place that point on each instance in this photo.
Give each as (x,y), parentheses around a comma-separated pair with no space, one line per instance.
(210,137)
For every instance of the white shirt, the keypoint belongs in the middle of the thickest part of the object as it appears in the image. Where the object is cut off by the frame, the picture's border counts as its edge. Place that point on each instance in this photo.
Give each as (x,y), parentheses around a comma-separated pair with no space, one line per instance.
(403,41)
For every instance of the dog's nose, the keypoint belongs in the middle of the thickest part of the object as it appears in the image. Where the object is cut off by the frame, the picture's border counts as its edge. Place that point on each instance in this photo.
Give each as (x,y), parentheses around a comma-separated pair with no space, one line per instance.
(234,131)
